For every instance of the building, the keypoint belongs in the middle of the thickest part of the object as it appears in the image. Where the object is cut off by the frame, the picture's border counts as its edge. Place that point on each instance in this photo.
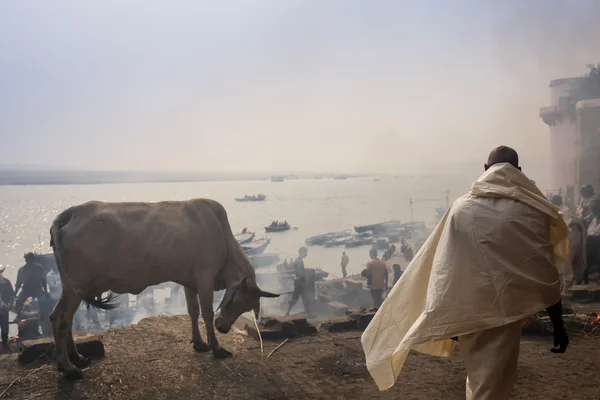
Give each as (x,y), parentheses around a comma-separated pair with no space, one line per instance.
(588,126)
(564,135)
(574,138)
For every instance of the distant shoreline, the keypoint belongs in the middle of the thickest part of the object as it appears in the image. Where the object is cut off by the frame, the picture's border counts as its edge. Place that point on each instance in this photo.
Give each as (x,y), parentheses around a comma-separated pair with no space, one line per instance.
(71,177)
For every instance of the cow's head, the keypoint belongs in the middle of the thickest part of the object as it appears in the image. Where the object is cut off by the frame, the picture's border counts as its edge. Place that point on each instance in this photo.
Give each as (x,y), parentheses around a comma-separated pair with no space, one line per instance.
(239,298)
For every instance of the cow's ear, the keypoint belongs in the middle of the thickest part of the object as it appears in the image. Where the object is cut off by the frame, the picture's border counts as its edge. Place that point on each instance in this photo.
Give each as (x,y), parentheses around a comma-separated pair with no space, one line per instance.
(267,294)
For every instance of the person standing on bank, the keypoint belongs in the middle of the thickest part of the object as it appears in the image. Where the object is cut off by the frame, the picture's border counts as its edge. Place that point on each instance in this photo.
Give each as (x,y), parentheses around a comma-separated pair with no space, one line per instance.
(300,284)
(7,295)
(490,263)
(377,278)
(31,278)
(345,261)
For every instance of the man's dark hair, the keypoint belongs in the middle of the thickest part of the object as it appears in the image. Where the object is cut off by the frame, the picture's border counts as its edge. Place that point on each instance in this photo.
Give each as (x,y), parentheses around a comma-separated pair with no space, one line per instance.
(373,253)
(503,154)
(587,191)
(557,200)
(29,257)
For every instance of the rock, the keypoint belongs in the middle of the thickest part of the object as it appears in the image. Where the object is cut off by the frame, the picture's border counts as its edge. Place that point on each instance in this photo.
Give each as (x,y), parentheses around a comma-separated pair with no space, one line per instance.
(343,324)
(356,298)
(88,346)
(355,319)
(281,328)
(362,316)
(585,293)
(335,308)
(269,333)
(365,319)
(338,284)
(352,284)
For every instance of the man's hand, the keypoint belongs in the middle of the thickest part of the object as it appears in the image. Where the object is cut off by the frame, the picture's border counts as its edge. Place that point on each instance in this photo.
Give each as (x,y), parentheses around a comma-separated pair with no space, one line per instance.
(561,340)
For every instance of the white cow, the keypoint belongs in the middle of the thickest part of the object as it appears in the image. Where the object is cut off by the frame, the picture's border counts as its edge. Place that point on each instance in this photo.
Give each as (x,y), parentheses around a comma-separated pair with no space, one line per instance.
(126,247)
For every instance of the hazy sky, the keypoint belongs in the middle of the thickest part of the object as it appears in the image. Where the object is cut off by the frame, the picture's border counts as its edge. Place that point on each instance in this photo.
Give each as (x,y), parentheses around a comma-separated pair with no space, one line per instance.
(283,84)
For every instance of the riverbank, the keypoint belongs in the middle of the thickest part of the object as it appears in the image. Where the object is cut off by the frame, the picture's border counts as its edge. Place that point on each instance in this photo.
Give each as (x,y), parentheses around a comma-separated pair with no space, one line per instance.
(154,360)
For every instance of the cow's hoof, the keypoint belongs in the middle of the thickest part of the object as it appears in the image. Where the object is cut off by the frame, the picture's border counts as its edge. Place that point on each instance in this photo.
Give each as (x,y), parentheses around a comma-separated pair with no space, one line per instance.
(201,347)
(72,373)
(81,362)
(221,353)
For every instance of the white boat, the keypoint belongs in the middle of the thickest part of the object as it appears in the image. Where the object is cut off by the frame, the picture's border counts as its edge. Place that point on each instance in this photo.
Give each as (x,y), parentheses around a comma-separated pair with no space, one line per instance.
(244,237)
(256,247)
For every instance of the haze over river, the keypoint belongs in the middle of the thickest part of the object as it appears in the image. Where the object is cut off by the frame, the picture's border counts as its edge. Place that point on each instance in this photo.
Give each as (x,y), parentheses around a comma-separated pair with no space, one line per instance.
(314,206)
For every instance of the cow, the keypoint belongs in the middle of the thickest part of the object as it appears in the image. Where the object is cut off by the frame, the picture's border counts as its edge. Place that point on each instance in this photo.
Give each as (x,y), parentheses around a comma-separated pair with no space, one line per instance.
(125,247)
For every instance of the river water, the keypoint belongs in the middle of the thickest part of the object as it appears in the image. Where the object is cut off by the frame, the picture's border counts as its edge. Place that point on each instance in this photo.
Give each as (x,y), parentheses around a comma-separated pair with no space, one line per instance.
(314,206)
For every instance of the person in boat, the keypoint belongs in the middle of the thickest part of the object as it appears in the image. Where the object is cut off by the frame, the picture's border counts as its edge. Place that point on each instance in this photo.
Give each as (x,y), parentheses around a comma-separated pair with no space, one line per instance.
(7,296)
(31,279)
(300,284)
(344,263)
(377,280)
(490,264)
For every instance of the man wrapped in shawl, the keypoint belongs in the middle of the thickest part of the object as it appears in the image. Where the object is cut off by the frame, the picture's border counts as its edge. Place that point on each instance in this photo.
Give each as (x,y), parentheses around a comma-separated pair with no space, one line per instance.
(489,264)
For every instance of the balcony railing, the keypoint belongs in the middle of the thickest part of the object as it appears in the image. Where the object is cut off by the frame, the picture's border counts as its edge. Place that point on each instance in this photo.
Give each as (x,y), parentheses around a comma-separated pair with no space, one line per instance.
(554,114)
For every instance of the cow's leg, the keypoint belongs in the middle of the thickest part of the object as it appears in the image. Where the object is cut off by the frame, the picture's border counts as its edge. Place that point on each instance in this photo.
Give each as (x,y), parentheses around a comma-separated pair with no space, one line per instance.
(191,298)
(206,304)
(77,359)
(62,313)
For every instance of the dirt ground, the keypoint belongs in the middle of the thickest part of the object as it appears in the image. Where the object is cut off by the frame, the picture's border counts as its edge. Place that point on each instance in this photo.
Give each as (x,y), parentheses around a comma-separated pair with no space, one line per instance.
(155,360)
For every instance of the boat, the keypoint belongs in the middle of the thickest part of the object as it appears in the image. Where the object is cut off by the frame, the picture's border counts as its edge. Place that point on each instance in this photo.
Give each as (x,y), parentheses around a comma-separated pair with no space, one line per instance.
(256,247)
(339,241)
(246,198)
(362,239)
(320,240)
(278,227)
(244,237)
(379,227)
(341,177)
(277,178)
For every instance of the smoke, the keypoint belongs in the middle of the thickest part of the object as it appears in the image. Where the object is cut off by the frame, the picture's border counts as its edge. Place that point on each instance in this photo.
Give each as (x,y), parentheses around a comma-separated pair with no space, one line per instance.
(380,86)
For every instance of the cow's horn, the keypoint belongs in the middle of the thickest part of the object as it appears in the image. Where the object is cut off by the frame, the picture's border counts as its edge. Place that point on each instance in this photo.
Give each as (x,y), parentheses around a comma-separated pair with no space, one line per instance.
(267,294)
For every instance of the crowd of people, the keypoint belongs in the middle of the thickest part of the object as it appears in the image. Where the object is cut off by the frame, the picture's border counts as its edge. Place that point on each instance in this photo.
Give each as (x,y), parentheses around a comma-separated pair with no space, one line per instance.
(36,292)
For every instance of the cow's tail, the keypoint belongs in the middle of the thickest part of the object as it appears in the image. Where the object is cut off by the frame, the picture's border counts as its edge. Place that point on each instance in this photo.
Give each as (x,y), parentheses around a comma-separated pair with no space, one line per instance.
(107,303)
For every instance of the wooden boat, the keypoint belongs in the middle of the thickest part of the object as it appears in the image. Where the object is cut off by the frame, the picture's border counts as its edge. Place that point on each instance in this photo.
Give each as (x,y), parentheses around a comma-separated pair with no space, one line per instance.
(339,241)
(244,237)
(362,239)
(277,228)
(246,198)
(379,228)
(256,247)
(320,240)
